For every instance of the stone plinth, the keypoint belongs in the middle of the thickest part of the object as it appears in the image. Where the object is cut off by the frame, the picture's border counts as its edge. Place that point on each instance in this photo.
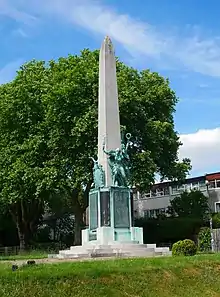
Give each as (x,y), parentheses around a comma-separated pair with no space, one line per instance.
(110,217)
(122,250)
(110,232)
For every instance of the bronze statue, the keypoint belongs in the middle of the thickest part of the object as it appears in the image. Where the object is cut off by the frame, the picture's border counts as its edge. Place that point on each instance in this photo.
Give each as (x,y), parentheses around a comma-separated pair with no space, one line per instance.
(98,174)
(119,163)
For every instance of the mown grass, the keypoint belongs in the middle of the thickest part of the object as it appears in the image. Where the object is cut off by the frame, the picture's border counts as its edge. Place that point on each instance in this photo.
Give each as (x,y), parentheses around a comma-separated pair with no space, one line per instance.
(155,277)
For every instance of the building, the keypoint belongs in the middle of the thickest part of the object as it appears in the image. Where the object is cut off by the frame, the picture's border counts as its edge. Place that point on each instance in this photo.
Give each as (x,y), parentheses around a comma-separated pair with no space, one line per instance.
(158,199)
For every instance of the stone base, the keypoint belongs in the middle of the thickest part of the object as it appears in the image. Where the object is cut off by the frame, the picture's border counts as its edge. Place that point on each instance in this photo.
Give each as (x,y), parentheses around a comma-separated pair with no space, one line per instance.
(112,250)
(107,235)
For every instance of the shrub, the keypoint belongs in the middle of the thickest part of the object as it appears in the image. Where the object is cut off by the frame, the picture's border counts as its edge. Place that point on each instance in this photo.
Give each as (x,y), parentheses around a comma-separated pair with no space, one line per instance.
(204,239)
(185,247)
(216,220)
(162,231)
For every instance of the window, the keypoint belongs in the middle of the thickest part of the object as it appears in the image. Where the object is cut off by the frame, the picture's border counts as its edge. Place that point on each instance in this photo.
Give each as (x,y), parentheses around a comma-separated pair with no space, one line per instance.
(212,184)
(188,187)
(162,211)
(157,211)
(145,196)
(153,213)
(150,213)
(217,183)
(159,192)
(166,191)
(153,193)
(202,185)
(174,189)
(181,188)
(217,206)
(195,186)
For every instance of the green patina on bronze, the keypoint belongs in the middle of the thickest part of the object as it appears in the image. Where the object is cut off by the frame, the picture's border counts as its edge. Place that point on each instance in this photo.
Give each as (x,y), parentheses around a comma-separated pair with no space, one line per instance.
(119,163)
(98,174)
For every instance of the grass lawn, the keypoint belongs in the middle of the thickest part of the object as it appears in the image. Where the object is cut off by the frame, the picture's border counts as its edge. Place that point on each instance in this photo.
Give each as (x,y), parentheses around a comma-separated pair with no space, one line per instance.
(23,256)
(180,277)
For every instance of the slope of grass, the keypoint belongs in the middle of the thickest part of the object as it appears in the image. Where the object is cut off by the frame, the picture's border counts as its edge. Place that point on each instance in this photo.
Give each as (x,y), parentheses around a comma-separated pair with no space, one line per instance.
(155,277)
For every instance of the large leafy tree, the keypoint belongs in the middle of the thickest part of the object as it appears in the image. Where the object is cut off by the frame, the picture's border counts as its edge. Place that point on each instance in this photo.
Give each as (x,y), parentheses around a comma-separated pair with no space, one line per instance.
(193,204)
(8,232)
(48,129)
(23,148)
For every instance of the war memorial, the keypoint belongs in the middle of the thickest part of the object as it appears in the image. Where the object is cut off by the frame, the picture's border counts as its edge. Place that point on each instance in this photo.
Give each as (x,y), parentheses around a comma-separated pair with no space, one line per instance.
(111,232)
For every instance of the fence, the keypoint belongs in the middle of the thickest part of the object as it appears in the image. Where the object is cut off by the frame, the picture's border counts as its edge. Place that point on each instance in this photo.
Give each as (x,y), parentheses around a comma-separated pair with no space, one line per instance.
(9,251)
(52,247)
(216,237)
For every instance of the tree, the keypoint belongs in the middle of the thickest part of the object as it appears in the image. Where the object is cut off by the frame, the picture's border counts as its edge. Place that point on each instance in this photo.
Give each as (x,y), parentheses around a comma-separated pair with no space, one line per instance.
(146,107)
(216,220)
(168,230)
(192,204)
(23,148)
(8,234)
(54,107)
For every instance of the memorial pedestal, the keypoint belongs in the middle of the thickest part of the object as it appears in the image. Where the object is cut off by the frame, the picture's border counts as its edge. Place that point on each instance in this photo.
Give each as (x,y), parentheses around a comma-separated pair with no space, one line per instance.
(110,232)
(110,218)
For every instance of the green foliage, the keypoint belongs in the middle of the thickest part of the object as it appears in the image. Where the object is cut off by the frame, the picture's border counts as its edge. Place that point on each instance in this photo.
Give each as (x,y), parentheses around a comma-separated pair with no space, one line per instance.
(8,232)
(48,131)
(162,230)
(23,148)
(216,220)
(185,247)
(204,239)
(190,204)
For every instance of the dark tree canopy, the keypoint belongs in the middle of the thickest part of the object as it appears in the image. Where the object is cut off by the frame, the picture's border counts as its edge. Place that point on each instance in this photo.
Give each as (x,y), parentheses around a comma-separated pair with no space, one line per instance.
(48,131)
(192,204)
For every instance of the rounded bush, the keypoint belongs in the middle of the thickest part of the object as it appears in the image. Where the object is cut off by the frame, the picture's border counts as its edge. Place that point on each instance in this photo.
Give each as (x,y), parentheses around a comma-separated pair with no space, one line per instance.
(185,247)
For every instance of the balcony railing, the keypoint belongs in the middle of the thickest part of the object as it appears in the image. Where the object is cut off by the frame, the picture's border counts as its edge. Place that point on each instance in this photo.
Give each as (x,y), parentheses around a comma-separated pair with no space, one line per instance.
(170,191)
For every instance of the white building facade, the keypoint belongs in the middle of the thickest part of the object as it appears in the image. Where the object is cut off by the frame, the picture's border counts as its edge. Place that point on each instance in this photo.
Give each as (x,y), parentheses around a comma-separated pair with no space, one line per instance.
(158,199)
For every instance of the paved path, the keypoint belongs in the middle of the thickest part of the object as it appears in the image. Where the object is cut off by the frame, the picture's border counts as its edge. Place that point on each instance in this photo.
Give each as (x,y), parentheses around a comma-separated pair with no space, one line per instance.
(55,261)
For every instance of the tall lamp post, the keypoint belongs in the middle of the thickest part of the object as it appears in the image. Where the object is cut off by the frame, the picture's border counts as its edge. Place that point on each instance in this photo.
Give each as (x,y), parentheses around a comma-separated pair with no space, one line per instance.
(210,218)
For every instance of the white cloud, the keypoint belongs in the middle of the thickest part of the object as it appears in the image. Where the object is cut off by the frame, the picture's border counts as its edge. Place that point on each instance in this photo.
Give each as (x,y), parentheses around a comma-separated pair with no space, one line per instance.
(194,52)
(12,9)
(203,148)
(20,33)
(8,72)
(203,86)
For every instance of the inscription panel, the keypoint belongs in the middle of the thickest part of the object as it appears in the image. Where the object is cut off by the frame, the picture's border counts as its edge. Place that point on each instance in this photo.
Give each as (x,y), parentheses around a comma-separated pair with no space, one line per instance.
(93,211)
(121,209)
(105,208)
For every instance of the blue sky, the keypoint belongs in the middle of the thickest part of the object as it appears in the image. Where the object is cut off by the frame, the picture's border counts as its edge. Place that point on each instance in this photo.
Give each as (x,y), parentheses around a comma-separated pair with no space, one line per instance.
(179,39)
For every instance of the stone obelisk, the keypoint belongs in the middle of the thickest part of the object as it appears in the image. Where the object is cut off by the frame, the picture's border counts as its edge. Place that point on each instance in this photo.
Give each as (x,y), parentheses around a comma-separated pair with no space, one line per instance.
(110,232)
(108,110)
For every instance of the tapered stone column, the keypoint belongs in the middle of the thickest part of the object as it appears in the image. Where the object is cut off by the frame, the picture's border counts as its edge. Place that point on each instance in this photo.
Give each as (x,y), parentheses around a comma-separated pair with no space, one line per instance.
(108,110)
(110,232)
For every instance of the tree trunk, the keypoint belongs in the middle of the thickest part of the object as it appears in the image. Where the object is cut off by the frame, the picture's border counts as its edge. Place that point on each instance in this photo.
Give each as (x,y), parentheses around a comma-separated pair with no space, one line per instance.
(26,216)
(79,199)
(24,235)
(21,237)
(78,226)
